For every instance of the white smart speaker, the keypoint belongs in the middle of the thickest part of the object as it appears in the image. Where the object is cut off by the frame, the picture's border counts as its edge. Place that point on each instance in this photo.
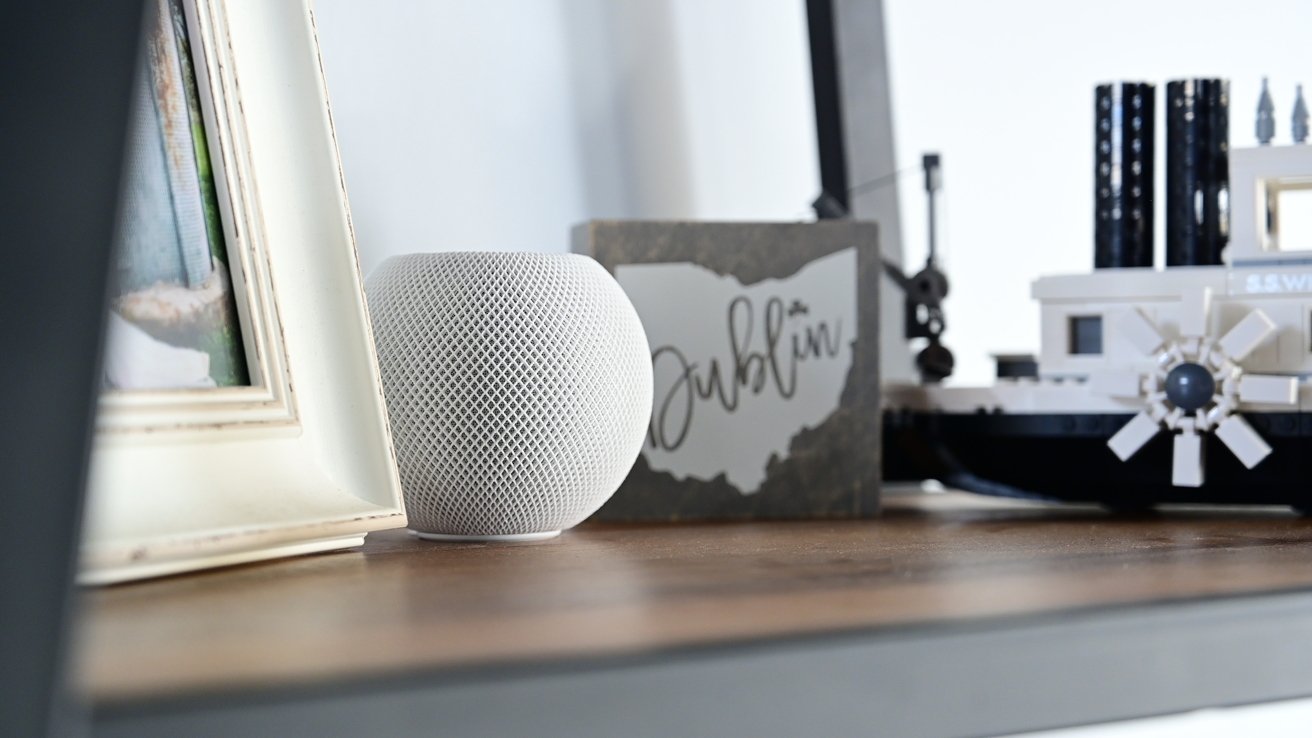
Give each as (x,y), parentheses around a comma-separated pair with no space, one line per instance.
(519,387)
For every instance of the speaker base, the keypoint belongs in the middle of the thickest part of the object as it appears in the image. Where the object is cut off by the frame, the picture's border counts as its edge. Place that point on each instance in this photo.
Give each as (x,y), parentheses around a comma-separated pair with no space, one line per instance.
(504,538)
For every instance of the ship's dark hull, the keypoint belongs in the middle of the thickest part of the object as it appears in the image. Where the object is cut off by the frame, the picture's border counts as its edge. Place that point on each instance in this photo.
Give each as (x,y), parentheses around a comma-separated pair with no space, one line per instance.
(1065,457)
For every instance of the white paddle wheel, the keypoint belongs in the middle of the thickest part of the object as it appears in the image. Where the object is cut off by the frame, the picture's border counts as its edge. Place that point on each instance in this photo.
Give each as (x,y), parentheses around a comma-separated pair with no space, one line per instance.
(1197,385)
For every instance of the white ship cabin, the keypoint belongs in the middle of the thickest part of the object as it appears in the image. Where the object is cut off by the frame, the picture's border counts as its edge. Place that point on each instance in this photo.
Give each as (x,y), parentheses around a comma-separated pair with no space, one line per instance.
(1261,296)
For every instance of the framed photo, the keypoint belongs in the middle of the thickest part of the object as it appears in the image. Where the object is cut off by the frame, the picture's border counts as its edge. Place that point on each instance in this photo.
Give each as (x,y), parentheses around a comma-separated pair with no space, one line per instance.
(241,415)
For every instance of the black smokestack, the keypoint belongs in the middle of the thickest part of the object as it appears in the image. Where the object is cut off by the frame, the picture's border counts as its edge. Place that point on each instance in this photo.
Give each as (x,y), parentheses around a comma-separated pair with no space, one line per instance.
(1197,171)
(1123,175)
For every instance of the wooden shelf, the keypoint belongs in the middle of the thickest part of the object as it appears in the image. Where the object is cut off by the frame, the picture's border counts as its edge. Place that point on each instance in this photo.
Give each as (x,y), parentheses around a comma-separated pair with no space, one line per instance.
(401,607)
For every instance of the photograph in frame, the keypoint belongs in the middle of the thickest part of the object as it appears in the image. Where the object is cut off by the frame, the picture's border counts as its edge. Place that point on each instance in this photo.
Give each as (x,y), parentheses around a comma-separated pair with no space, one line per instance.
(173,321)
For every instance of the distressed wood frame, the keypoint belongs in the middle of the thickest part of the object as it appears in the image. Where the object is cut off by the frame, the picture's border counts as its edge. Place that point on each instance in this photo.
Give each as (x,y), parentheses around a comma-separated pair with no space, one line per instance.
(301,461)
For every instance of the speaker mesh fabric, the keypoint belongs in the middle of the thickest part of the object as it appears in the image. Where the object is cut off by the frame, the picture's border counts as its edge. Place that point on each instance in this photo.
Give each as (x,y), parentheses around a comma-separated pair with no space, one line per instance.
(519,387)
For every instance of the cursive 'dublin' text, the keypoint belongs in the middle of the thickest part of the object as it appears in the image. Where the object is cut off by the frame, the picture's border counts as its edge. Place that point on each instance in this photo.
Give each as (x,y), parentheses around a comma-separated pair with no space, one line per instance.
(772,368)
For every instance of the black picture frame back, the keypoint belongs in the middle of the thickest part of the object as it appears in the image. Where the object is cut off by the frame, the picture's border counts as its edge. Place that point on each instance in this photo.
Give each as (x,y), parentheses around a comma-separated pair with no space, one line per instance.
(833,201)
(66,73)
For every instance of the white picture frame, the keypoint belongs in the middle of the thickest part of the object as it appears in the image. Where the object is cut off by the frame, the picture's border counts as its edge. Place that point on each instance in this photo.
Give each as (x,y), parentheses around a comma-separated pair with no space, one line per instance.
(302,460)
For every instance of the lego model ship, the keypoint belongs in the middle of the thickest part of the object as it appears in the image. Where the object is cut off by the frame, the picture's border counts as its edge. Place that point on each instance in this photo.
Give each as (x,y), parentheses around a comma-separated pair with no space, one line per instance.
(1185,384)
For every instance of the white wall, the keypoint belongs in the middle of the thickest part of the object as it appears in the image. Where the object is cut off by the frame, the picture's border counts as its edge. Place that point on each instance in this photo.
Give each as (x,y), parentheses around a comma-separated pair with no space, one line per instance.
(500,124)
(455,123)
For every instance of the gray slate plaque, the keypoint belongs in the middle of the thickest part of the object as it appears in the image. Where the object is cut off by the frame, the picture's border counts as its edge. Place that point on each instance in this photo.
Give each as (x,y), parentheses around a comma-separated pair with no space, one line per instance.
(765,340)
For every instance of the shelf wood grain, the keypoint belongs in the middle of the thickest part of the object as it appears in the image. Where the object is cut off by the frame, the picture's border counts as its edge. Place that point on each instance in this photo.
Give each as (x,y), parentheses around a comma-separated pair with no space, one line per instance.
(402,606)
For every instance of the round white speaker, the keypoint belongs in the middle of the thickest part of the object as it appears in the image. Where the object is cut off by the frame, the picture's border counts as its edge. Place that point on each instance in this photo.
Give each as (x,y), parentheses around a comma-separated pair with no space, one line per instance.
(519,388)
